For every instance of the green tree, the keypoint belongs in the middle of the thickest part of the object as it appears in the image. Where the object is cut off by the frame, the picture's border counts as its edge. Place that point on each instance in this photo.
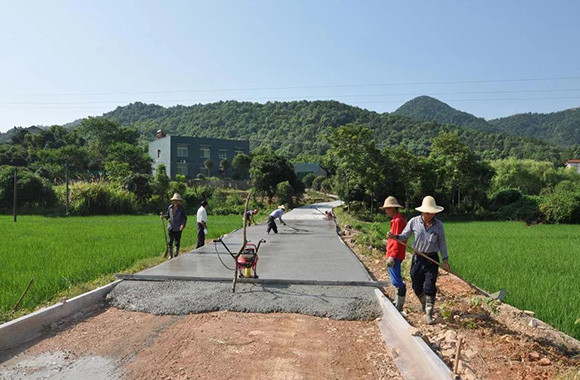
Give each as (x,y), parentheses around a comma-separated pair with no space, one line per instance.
(268,169)
(161,182)
(208,166)
(224,166)
(241,164)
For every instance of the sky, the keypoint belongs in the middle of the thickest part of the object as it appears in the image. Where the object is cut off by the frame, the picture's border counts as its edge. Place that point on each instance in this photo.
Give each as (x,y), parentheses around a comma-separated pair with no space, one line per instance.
(65,60)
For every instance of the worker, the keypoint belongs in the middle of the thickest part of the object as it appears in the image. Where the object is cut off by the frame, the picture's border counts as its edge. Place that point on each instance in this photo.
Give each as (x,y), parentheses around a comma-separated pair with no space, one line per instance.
(249,216)
(272,219)
(395,250)
(201,224)
(177,219)
(429,240)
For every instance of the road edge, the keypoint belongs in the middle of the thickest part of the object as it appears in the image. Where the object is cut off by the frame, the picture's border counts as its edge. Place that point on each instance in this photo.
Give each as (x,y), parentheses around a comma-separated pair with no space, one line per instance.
(28,327)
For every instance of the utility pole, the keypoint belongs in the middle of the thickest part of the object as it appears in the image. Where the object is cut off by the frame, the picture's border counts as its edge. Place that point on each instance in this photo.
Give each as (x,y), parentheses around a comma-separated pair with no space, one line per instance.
(67,189)
(15,193)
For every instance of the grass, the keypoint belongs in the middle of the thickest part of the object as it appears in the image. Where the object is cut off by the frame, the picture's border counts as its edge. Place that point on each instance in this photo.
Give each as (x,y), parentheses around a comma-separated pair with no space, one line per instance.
(538,265)
(68,256)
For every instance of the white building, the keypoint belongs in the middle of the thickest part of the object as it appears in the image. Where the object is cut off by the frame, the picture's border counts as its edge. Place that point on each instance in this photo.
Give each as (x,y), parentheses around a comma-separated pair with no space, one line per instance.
(573,164)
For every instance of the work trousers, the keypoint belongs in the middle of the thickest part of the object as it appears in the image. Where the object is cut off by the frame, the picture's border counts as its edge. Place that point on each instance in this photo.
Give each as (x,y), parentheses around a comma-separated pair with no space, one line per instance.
(272,225)
(397,278)
(174,236)
(200,236)
(424,274)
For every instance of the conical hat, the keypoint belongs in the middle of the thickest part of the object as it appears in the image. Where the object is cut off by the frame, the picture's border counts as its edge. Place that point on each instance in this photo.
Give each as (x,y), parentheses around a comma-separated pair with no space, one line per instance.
(176,197)
(391,202)
(429,206)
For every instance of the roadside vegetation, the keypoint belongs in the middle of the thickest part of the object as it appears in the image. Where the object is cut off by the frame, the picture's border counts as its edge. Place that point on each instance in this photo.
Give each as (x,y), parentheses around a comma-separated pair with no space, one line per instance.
(538,265)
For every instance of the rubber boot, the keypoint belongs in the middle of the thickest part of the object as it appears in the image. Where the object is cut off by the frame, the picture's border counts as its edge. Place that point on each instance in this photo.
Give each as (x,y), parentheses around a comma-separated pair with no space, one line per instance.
(429,304)
(422,300)
(176,250)
(170,251)
(399,302)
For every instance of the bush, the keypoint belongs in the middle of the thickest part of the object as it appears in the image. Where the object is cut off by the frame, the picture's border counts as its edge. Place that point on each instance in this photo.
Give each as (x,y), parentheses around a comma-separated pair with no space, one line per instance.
(100,198)
(316,182)
(140,185)
(31,189)
(307,180)
(326,185)
(563,205)
(526,209)
(284,192)
(504,197)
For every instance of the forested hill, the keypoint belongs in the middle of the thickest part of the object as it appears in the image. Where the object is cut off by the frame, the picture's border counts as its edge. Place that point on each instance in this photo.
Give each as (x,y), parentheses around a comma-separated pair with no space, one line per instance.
(431,109)
(297,127)
(561,128)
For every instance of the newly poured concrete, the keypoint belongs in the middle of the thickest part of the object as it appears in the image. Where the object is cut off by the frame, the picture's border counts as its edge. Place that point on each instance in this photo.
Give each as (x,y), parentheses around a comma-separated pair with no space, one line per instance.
(313,253)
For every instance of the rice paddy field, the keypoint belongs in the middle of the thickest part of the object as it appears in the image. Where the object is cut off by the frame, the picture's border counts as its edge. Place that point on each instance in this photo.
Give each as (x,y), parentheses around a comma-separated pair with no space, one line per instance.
(538,265)
(64,253)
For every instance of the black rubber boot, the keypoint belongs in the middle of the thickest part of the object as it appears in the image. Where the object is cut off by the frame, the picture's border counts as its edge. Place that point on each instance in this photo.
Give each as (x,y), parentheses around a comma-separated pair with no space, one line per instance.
(170,251)
(429,305)
(399,302)
(176,250)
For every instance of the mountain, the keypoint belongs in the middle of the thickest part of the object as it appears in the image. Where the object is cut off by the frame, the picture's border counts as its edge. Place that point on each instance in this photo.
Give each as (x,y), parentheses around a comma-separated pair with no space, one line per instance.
(292,128)
(431,109)
(7,136)
(561,128)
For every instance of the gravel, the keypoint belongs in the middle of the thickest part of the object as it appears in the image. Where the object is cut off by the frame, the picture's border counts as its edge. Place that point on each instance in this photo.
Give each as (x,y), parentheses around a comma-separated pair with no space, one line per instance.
(190,297)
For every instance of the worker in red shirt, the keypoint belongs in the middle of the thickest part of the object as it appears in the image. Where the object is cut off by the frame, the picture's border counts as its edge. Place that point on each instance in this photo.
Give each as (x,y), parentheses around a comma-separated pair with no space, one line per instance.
(395,250)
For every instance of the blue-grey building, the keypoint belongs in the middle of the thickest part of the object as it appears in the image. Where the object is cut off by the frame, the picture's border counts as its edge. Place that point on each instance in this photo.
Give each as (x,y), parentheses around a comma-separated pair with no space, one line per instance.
(187,155)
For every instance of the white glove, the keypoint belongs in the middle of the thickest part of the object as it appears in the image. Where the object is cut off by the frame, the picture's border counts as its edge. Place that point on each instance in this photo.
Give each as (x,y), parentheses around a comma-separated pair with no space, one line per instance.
(391,262)
(205,231)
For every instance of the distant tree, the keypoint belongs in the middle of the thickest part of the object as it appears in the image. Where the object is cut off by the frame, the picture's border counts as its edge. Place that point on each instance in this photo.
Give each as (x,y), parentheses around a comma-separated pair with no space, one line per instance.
(134,156)
(161,181)
(268,170)
(224,166)
(208,166)
(117,171)
(31,189)
(307,180)
(241,164)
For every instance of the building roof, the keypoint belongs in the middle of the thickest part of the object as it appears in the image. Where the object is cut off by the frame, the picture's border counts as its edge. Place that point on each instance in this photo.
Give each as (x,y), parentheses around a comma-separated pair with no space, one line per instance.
(575,161)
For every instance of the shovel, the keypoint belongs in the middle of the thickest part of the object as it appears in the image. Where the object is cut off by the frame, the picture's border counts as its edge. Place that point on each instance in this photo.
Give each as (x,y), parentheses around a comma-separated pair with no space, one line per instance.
(500,295)
(166,243)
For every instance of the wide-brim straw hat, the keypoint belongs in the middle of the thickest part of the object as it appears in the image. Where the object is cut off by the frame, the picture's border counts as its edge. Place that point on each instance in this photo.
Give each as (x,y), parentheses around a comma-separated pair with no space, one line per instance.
(282,207)
(390,202)
(429,206)
(176,197)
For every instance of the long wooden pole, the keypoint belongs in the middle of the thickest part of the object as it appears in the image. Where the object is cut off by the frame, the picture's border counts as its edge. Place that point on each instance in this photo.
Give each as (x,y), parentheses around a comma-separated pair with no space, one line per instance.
(23,294)
(14,213)
(244,242)
(482,292)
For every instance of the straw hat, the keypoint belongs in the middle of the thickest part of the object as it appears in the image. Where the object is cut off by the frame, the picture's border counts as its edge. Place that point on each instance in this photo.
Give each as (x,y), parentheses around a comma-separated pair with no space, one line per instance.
(429,206)
(282,207)
(391,202)
(176,197)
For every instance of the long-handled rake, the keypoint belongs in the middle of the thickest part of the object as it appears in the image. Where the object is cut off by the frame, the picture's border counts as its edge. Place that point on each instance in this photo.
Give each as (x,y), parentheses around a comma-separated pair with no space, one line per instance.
(500,295)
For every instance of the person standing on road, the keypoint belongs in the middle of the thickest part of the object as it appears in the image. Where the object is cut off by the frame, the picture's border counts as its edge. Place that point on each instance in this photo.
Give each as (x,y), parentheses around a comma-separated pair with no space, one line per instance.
(201,224)
(249,216)
(395,250)
(272,219)
(177,219)
(429,240)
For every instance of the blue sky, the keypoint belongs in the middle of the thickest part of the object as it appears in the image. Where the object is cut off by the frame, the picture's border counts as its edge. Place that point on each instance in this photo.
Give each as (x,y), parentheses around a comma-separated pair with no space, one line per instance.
(63,60)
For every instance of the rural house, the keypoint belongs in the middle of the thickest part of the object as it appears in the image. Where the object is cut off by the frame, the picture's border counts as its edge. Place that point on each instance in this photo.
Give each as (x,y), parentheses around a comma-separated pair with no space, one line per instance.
(574,164)
(187,155)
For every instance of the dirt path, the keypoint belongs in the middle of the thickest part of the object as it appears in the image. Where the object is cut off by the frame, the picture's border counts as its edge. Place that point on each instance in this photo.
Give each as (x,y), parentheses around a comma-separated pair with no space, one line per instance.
(499,341)
(121,344)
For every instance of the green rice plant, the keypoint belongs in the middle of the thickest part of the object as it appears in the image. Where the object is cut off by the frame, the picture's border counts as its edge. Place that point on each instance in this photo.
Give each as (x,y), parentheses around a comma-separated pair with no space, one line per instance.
(63,253)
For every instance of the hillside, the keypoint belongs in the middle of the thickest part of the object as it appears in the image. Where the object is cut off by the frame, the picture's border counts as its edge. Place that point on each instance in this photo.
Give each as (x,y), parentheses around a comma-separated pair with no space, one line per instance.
(431,109)
(561,128)
(297,127)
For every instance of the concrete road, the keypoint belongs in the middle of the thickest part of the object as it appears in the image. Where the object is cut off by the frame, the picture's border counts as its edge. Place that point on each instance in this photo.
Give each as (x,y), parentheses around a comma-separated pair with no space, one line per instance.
(314,253)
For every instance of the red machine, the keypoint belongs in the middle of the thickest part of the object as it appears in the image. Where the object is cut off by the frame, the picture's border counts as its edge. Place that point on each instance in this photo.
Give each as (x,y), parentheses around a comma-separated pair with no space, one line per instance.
(248,259)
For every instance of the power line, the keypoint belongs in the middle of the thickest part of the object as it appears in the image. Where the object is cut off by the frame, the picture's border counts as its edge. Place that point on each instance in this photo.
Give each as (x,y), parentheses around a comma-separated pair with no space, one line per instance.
(311,97)
(303,87)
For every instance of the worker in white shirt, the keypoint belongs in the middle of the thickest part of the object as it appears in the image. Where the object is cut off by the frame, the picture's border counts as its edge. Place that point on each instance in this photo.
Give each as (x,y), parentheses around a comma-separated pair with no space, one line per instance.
(272,219)
(201,224)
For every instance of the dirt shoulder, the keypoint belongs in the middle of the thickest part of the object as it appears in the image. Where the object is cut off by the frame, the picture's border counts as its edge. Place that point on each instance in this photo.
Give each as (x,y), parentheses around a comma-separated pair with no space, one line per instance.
(499,340)
(219,345)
